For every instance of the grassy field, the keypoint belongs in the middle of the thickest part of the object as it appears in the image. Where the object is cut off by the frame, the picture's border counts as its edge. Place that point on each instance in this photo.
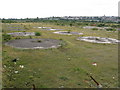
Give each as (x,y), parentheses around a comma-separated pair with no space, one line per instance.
(64,67)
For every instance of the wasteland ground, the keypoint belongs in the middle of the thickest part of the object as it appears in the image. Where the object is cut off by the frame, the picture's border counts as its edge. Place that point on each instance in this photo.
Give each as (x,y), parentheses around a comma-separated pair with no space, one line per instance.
(63,67)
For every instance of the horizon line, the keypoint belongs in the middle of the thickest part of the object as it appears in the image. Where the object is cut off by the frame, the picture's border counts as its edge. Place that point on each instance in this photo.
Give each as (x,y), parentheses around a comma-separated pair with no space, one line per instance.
(59,16)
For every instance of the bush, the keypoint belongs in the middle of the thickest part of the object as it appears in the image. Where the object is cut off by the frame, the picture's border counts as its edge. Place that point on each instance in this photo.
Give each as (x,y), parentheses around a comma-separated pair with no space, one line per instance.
(101,25)
(39,41)
(69,31)
(37,34)
(62,44)
(17,38)
(30,37)
(60,39)
(111,29)
(6,37)
(95,29)
(63,78)
(71,24)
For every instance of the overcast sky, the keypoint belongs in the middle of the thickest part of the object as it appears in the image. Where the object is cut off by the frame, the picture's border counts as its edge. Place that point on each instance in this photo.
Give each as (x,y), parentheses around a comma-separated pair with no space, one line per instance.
(47,8)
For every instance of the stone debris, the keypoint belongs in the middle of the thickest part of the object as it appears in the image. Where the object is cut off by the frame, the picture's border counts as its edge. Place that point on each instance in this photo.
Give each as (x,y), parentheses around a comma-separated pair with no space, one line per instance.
(94,39)
(99,86)
(53,29)
(16,72)
(113,77)
(21,66)
(48,28)
(68,33)
(42,27)
(92,27)
(38,47)
(61,86)
(69,58)
(94,64)
(53,46)
(4,66)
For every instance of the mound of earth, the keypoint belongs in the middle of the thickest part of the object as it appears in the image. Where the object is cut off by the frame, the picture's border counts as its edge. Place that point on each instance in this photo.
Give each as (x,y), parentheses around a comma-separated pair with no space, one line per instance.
(34,43)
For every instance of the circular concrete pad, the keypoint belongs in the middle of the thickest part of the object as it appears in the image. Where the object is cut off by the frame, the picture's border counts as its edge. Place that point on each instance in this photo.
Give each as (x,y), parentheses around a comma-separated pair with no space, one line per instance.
(52,29)
(42,27)
(34,43)
(22,34)
(68,33)
(98,39)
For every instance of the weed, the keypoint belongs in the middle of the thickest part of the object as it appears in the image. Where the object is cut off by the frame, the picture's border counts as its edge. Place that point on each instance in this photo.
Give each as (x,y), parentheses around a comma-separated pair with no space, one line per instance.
(95,29)
(30,37)
(63,78)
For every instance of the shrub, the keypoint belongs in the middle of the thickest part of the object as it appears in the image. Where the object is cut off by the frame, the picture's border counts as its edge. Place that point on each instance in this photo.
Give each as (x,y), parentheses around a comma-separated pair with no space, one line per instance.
(18,38)
(63,78)
(39,41)
(77,69)
(60,39)
(101,25)
(71,24)
(95,29)
(62,44)
(30,37)
(80,70)
(69,31)
(111,29)
(6,37)
(37,34)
